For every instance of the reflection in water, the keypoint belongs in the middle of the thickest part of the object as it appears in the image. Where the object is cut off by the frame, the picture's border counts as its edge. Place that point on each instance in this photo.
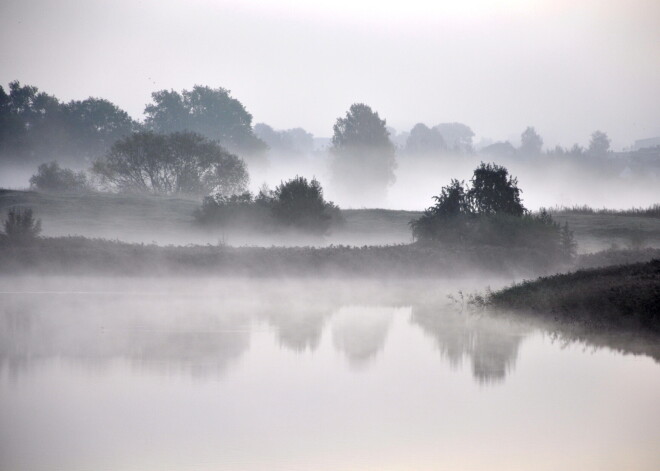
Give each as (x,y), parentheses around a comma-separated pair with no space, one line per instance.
(371,385)
(490,344)
(360,332)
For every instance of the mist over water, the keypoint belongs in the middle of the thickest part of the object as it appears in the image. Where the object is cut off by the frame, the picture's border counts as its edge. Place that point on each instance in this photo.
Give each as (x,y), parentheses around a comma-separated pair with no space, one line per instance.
(222,374)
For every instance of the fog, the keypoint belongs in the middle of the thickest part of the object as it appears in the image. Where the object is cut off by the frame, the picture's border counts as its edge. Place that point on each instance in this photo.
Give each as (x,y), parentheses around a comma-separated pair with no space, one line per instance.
(330,235)
(231,373)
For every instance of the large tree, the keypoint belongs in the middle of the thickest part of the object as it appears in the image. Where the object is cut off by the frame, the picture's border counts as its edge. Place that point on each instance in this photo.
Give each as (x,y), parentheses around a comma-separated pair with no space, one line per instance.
(363,164)
(178,163)
(211,112)
(495,191)
(35,126)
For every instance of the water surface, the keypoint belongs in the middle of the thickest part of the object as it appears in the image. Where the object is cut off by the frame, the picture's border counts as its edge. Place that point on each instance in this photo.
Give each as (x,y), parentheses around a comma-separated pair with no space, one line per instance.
(211,374)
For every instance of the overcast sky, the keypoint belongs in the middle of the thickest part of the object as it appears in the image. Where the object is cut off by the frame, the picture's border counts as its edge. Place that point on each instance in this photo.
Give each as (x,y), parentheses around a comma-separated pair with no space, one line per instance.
(566,67)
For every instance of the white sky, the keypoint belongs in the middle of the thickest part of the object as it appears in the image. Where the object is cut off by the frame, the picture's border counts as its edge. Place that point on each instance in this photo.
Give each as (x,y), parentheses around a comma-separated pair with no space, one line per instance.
(566,67)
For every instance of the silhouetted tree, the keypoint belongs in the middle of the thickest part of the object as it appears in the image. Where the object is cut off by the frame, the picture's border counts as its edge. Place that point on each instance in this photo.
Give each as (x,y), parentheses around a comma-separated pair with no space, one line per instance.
(21,226)
(531,142)
(567,242)
(494,191)
(35,126)
(599,144)
(211,112)
(178,163)
(425,141)
(299,203)
(363,162)
(449,205)
(52,178)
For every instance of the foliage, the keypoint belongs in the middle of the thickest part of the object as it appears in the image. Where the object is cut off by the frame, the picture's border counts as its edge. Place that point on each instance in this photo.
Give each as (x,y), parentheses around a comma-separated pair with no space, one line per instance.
(425,141)
(178,163)
(297,204)
(652,211)
(599,144)
(35,126)
(457,136)
(531,142)
(623,296)
(363,162)
(21,226)
(295,141)
(50,177)
(494,191)
(300,204)
(211,112)
(490,213)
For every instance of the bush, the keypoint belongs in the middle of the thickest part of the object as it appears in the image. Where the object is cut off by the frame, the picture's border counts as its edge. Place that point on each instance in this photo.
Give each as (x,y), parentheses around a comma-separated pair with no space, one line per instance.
(52,178)
(490,212)
(295,204)
(21,226)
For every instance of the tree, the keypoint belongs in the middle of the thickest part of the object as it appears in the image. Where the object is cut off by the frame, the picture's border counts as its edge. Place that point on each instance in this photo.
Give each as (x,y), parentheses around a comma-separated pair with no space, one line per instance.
(178,163)
(599,144)
(494,191)
(211,112)
(449,205)
(423,140)
(52,178)
(21,226)
(294,141)
(37,126)
(363,164)
(299,203)
(457,136)
(531,142)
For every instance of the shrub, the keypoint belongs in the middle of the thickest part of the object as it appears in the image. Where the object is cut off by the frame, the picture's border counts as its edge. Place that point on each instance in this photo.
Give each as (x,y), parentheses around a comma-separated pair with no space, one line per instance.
(50,177)
(295,204)
(21,226)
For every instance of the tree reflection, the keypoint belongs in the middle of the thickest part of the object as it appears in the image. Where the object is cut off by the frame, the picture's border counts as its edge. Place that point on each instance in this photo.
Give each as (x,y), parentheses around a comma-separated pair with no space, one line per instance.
(490,344)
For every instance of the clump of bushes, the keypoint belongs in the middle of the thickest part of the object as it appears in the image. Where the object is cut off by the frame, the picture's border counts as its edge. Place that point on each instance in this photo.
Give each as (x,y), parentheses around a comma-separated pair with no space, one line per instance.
(489,211)
(296,204)
(21,226)
(52,178)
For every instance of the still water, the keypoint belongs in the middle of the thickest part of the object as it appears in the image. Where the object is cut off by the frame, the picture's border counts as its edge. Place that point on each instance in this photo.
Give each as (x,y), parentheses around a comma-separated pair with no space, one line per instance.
(210,374)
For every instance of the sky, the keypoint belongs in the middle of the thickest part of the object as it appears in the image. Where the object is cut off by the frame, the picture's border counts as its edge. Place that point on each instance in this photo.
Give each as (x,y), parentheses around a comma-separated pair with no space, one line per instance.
(565,67)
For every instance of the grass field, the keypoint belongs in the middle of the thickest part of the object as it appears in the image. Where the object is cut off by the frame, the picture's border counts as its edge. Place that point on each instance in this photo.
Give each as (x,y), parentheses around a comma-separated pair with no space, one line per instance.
(169,220)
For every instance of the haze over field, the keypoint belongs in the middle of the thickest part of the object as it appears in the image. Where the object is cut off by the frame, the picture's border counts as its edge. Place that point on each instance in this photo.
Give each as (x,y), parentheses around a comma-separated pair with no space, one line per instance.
(329,235)
(565,67)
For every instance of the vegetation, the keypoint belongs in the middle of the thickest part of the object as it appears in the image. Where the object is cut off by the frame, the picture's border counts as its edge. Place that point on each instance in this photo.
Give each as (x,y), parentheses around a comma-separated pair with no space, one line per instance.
(211,112)
(363,164)
(20,227)
(652,211)
(180,163)
(295,204)
(490,212)
(37,127)
(622,296)
(51,178)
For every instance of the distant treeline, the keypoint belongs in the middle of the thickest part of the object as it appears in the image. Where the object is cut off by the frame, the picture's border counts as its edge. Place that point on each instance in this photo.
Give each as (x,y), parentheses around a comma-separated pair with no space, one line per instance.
(36,127)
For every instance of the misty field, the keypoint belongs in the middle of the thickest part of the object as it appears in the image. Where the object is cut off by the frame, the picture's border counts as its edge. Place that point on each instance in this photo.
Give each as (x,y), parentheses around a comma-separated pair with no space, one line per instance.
(170,220)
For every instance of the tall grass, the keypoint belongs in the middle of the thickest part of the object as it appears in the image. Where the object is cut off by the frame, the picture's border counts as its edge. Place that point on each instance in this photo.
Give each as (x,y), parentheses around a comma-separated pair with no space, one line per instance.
(652,211)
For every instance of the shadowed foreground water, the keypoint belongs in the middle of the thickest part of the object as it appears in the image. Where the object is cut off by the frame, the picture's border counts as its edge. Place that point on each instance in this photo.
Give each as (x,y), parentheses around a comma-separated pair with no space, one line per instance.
(216,375)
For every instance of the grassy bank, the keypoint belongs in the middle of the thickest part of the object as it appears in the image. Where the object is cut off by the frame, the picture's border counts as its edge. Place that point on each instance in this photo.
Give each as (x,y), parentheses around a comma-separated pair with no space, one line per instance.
(621,297)
(74,255)
(169,220)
